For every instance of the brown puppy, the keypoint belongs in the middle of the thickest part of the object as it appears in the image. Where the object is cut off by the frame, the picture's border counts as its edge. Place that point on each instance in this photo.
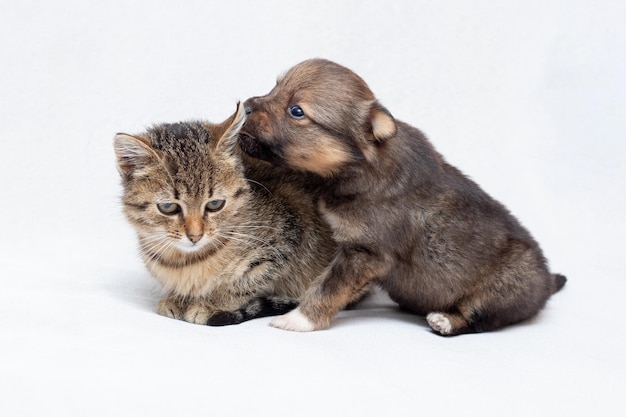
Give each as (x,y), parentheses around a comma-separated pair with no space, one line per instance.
(402,217)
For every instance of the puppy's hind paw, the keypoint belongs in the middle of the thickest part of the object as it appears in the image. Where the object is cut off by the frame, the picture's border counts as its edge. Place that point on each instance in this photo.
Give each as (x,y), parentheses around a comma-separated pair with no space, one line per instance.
(294,321)
(440,323)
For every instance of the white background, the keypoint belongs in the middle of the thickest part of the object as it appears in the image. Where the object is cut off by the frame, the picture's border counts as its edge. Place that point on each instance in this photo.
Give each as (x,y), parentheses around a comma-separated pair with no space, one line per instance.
(526,97)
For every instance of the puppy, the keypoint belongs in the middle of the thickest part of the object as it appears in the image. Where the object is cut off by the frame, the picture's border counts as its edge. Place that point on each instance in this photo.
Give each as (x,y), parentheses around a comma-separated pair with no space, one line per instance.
(402,217)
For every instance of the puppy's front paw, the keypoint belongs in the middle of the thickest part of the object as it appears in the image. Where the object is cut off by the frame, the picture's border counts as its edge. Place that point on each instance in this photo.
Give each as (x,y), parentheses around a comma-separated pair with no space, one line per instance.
(440,323)
(295,321)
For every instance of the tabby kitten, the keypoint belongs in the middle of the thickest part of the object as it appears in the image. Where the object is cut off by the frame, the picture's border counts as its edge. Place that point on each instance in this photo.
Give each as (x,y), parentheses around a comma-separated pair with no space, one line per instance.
(230,238)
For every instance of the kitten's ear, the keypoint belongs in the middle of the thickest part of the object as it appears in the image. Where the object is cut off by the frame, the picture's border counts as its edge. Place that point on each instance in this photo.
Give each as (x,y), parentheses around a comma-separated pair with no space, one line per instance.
(229,138)
(133,155)
(383,123)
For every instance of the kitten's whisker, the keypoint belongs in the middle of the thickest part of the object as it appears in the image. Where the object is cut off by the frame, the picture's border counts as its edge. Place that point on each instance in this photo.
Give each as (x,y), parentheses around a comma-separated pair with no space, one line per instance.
(246,235)
(153,247)
(156,247)
(250,244)
(252,227)
(258,183)
(153,238)
(217,243)
(248,240)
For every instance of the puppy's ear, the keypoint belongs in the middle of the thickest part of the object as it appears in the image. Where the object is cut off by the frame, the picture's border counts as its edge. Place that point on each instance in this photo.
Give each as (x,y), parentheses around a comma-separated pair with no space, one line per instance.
(383,123)
(133,155)
(229,138)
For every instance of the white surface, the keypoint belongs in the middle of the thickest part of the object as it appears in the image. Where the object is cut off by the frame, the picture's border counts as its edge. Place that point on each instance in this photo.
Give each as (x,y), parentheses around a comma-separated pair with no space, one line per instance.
(526,97)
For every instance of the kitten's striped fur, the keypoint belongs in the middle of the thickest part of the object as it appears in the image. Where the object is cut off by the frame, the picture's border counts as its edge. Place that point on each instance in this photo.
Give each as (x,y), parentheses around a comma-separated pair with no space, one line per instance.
(253,256)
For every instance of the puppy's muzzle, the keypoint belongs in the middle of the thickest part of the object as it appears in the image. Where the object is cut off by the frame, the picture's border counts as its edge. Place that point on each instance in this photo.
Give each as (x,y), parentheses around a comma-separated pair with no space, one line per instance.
(258,149)
(252,144)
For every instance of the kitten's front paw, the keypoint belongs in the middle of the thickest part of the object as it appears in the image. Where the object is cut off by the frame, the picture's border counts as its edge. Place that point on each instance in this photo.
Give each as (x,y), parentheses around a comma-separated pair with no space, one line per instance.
(169,308)
(295,321)
(197,313)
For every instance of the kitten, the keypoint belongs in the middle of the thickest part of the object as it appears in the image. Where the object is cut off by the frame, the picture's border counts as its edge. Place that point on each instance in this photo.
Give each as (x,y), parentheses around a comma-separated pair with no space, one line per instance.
(230,238)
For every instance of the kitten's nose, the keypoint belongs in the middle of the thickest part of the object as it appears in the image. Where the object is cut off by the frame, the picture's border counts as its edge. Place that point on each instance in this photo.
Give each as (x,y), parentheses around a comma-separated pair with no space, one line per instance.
(195,238)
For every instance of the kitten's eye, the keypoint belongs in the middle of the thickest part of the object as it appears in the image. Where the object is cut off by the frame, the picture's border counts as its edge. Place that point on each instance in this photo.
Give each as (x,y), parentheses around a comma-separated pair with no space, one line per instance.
(168,208)
(215,205)
(296,112)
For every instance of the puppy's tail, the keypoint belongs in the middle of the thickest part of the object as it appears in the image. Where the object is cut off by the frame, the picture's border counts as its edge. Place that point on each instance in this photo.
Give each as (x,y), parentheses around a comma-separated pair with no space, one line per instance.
(559,282)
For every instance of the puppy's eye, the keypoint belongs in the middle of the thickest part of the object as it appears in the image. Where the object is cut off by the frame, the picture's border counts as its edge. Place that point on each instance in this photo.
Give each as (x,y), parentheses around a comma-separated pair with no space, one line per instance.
(215,205)
(296,112)
(168,208)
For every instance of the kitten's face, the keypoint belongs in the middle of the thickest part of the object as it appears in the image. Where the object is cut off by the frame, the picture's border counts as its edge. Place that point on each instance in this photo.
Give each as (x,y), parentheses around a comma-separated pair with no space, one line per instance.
(184,187)
(182,205)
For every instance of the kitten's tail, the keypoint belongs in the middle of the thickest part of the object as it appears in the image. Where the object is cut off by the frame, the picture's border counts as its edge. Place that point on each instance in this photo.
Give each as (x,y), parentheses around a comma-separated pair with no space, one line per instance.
(559,282)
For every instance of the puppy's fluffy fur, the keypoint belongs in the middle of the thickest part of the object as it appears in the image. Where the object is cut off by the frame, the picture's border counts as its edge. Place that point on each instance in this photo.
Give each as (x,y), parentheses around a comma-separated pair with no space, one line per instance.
(403,218)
